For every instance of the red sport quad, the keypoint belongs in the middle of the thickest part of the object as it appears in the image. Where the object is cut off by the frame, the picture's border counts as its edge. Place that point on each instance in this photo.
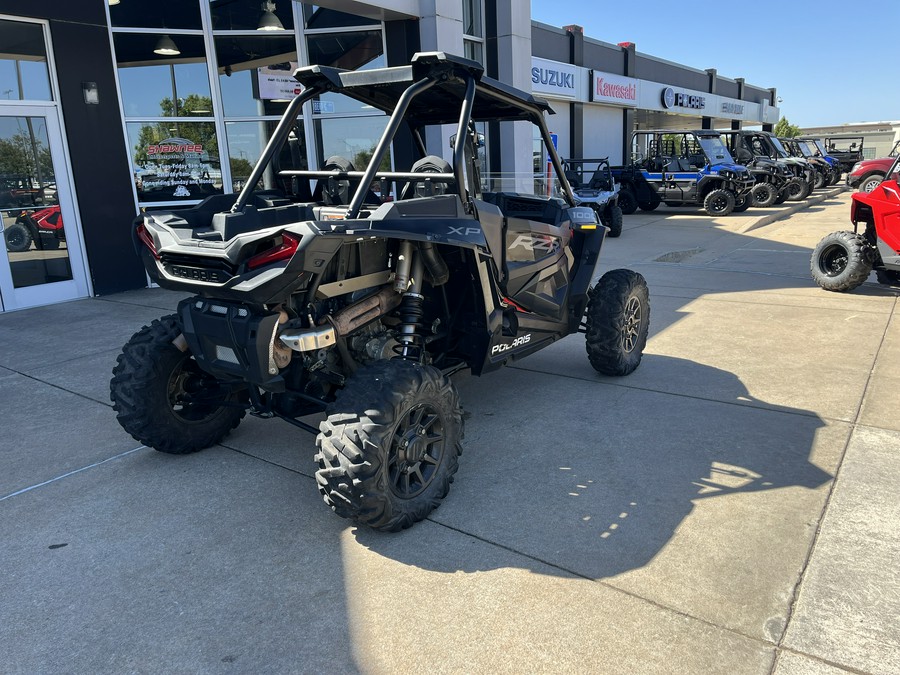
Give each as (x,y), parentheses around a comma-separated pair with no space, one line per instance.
(339,301)
(843,260)
(44,227)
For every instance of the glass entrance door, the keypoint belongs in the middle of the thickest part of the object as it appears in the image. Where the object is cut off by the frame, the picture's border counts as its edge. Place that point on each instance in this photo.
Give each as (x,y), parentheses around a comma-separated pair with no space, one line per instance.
(40,261)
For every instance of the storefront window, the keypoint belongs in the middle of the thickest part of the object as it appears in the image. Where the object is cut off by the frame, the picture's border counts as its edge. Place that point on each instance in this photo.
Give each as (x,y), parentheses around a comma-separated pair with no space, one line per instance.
(320,18)
(165,14)
(263,15)
(356,50)
(256,74)
(246,141)
(174,161)
(353,138)
(172,90)
(23,74)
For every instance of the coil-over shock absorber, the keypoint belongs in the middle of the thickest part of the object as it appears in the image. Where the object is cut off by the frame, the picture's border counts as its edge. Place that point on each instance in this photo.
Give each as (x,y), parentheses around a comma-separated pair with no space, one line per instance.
(408,280)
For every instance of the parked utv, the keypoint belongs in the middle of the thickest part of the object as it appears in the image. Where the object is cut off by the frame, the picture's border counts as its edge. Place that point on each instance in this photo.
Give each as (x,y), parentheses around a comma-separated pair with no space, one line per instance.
(848,150)
(821,168)
(843,260)
(817,148)
(803,171)
(43,227)
(334,300)
(771,175)
(692,167)
(593,184)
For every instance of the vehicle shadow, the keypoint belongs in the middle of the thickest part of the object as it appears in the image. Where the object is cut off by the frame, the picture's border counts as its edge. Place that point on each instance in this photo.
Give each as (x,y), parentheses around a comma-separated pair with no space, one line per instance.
(596,479)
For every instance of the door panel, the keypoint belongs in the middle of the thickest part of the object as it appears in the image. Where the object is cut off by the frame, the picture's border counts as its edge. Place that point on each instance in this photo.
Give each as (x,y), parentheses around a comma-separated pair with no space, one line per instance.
(41,261)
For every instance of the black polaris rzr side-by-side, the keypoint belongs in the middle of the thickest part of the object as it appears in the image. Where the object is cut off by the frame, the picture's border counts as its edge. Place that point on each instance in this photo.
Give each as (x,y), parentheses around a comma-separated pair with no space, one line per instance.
(358,293)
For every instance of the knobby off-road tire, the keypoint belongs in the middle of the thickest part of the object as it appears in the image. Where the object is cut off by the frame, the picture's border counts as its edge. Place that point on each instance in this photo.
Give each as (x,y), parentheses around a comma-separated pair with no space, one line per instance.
(782,196)
(841,261)
(818,180)
(390,445)
(651,205)
(613,220)
(18,238)
(764,195)
(798,190)
(627,201)
(151,377)
(618,320)
(741,204)
(719,202)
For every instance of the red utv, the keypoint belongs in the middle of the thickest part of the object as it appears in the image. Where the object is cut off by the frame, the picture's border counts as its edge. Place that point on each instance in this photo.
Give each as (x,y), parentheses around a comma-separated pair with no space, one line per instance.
(843,260)
(44,227)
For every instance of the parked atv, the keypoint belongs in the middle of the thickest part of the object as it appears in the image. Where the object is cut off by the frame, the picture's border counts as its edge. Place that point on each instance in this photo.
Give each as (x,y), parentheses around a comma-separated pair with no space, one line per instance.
(593,184)
(843,260)
(44,227)
(692,167)
(331,300)
(771,175)
(804,173)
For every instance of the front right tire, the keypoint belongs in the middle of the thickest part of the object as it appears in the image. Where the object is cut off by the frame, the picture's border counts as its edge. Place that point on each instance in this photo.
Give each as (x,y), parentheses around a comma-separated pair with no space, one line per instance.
(870,182)
(841,261)
(618,321)
(719,202)
(627,201)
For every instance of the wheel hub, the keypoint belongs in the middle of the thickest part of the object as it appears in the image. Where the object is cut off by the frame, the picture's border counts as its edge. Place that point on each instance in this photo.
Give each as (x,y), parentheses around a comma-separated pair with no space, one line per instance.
(632,324)
(416,451)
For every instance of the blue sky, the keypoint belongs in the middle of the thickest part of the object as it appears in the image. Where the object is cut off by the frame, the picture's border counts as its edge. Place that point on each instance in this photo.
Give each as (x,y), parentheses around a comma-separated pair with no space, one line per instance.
(832,61)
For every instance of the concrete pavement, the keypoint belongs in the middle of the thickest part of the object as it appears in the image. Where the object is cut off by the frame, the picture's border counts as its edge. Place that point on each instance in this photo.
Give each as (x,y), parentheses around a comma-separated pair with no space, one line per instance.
(729,507)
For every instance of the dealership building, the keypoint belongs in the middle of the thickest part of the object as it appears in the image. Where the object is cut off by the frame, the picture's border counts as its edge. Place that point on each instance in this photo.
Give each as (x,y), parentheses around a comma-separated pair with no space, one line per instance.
(108,107)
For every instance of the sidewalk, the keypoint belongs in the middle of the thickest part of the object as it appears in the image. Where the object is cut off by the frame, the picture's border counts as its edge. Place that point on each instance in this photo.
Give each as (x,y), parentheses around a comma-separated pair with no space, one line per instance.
(732,506)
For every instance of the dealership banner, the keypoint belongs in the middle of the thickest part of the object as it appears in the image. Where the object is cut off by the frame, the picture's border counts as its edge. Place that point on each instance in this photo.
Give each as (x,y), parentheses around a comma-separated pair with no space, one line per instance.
(614,89)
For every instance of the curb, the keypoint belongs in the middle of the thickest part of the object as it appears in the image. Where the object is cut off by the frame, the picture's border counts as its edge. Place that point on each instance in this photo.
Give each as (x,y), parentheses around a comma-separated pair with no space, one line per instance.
(794,208)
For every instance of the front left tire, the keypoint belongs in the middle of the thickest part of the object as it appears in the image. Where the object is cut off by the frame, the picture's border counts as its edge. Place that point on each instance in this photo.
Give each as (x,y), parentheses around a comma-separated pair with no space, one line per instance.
(842,261)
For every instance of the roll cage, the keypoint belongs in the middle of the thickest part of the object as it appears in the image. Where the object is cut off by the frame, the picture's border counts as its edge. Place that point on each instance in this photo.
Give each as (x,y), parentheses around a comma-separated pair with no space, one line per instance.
(435,89)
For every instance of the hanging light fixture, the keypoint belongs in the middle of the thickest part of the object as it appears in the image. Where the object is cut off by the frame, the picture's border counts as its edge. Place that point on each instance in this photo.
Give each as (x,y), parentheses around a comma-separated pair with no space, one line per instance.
(268,20)
(114,2)
(166,47)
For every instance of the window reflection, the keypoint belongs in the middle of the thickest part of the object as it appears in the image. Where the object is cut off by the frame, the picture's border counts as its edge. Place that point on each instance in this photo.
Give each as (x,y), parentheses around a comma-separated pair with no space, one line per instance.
(246,141)
(175,160)
(318,17)
(23,65)
(353,138)
(33,229)
(256,74)
(166,90)
(252,15)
